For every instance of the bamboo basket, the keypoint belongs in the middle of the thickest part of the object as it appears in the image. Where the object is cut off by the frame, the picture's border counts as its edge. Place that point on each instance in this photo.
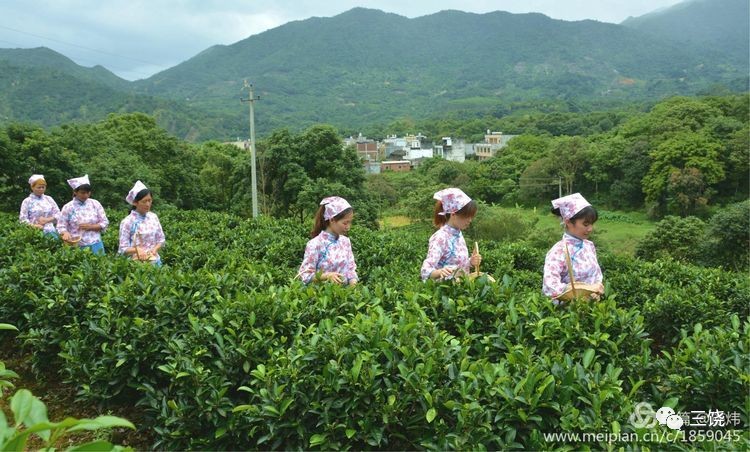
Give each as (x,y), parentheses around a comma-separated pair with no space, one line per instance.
(138,256)
(476,273)
(73,240)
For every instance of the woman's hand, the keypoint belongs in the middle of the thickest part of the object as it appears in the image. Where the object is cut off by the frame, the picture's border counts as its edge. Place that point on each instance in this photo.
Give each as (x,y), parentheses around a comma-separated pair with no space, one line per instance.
(442,273)
(139,253)
(599,292)
(338,278)
(66,236)
(475,260)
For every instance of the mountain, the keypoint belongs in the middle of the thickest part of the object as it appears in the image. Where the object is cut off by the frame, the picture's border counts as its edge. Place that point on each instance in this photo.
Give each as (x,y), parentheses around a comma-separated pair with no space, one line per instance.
(366,67)
(718,24)
(48,95)
(42,57)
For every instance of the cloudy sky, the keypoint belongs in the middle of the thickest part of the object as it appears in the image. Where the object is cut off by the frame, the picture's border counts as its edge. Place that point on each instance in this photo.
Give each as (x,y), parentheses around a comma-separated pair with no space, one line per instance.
(138,38)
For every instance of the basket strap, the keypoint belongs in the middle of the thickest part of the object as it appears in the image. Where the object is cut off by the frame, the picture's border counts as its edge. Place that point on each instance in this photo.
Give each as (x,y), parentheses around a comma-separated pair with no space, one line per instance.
(570,266)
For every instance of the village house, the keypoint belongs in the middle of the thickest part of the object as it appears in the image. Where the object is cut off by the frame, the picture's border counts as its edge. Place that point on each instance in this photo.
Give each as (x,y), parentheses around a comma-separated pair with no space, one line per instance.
(367,149)
(395,165)
(404,153)
(493,142)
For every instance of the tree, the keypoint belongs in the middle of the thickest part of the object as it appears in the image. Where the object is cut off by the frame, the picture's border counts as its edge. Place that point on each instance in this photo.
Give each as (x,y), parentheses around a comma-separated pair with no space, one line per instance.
(536,182)
(569,159)
(497,179)
(689,191)
(216,163)
(294,165)
(687,150)
(736,157)
(10,172)
(728,237)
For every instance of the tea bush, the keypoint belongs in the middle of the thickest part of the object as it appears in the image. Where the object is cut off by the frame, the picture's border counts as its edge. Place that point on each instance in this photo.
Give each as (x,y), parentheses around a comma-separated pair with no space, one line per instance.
(222,348)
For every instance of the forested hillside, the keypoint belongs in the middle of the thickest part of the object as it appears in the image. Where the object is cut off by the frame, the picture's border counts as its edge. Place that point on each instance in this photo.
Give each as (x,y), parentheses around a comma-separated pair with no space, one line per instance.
(365,68)
(717,24)
(44,58)
(390,66)
(57,95)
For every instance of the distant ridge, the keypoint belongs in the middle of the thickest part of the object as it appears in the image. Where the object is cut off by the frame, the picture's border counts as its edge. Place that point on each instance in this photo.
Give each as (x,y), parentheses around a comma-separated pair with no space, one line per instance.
(42,57)
(365,67)
(718,24)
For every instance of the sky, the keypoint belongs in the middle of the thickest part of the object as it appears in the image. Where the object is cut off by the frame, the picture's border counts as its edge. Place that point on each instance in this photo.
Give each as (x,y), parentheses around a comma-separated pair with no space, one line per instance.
(138,38)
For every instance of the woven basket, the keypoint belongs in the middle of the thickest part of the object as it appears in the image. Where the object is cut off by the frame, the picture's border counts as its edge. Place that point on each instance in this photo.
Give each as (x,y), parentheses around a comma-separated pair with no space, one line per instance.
(581,291)
(73,240)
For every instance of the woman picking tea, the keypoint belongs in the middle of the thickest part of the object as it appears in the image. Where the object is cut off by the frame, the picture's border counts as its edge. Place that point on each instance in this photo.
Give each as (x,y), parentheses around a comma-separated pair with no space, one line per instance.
(575,254)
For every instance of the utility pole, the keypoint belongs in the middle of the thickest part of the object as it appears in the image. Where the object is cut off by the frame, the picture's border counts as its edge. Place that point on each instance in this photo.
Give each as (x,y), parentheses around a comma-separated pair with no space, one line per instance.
(254,181)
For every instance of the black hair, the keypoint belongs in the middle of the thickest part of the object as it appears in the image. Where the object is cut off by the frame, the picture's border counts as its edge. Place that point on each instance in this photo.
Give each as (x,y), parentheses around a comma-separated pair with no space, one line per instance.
(588,214)
(321,224)
(141,194)
(83,187)
(467,211)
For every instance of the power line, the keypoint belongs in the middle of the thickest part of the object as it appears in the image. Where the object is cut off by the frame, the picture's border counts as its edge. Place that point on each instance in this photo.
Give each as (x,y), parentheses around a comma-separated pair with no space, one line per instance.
(86,61)
(80,46)
(83,61)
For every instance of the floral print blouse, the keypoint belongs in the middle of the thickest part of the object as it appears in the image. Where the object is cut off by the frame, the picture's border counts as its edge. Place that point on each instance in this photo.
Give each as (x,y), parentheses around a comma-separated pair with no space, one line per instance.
(76,213)
(35,207)
(447,247)
(328,253)
(143,231)
(585,265)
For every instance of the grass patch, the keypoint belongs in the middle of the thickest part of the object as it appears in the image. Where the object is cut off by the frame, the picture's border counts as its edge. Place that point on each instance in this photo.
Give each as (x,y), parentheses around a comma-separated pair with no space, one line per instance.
(615,232)
(394,221)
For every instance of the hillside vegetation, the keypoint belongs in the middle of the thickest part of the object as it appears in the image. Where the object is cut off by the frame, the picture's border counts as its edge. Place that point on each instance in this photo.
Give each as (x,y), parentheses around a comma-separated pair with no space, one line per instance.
(719,24)
(366,67)
(685,156)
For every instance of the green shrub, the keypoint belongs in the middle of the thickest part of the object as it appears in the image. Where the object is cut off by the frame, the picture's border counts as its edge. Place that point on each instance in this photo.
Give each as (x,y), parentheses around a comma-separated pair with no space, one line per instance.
(674,237)
(708,369)
(728,237)
(501,225)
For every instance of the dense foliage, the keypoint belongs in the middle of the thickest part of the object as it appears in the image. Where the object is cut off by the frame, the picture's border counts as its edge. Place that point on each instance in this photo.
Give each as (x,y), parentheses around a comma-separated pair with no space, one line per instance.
(295,171)
(679,158)
(299,170)
(683,157)
(723,242)
(223,349)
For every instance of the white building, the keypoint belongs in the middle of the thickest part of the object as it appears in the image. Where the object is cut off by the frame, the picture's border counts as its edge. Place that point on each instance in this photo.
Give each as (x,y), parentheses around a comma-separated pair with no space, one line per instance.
(451,149)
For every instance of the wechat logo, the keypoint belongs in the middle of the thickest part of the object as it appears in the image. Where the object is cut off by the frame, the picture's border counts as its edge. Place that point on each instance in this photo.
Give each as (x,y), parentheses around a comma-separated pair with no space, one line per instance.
(666,416)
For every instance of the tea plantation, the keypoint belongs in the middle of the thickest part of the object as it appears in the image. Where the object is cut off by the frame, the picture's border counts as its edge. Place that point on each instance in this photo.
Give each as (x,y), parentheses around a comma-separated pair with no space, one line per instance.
(223,349)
